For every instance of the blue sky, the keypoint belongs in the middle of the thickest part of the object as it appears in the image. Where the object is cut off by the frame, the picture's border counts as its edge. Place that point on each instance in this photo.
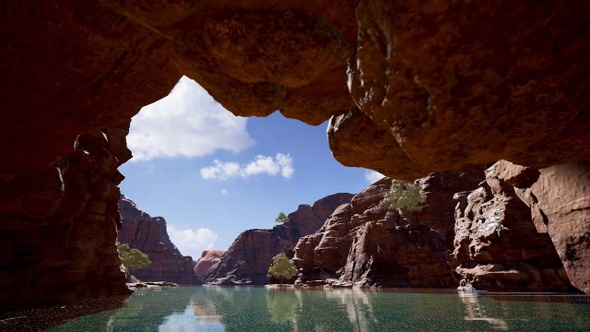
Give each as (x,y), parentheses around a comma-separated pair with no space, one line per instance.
(213,175)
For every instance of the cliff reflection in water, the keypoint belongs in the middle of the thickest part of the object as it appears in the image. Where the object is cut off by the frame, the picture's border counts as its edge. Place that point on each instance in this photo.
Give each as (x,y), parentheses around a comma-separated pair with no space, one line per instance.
(261,309)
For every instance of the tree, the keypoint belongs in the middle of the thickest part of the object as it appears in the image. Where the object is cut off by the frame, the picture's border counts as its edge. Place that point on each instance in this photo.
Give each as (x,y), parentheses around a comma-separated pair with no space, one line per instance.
(282,218)
(282,268)
(133,259)
(404,196)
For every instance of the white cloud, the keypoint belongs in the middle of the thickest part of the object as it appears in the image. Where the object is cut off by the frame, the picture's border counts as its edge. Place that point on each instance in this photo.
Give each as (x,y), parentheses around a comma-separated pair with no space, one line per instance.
(373,176)
(190,242)
(187,123)
(281,164)
(224,191)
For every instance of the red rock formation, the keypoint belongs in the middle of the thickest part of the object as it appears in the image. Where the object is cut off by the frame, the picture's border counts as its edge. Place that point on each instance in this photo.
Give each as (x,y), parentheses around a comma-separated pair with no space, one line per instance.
(58,227)
(248,258)
(359,245)
(149,235)
(443,88)
(510,233)
(209,261)
(412,87)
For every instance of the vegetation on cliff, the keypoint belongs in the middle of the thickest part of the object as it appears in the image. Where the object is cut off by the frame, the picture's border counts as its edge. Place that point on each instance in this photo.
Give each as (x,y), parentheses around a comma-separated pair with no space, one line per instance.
(133,259)
(404,196)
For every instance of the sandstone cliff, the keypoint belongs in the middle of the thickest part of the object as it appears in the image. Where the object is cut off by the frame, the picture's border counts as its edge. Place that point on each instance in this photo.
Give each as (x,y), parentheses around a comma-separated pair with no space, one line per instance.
(149,235)
(525,229)
(410,87)
(360,245)
(58,227)
(209,261)
(247,259)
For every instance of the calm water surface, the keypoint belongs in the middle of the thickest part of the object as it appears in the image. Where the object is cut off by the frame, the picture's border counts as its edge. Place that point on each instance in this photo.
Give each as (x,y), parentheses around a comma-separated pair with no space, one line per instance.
(261,309)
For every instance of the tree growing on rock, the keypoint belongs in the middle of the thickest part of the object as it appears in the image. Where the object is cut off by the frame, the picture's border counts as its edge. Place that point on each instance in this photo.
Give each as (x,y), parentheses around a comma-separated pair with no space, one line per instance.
(282,218)
(133,259)
(404,196)
(282,269)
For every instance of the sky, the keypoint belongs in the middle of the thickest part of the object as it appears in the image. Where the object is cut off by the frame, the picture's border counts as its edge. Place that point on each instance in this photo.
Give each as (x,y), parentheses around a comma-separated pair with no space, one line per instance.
(213,175)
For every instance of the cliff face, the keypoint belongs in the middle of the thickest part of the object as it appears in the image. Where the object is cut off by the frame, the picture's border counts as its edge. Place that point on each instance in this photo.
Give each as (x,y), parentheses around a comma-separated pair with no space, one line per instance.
(410,88)
(58,227)
(247,259)
(525,229)
(149,235)
(360,245)
(209,261)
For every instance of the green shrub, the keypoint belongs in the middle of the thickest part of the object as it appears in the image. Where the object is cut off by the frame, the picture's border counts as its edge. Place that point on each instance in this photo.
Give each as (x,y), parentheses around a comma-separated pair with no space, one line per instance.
(133,259)
(282,268)
(404,196)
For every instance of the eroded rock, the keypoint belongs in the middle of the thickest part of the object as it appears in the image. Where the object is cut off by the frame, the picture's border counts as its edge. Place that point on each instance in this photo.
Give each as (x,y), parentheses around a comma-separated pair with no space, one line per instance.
(497,244)
(360,246)
(248,258)
(149,235)
(59,226)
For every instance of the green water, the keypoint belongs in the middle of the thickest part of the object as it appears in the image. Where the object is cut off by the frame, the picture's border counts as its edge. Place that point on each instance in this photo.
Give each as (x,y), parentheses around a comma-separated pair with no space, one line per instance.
(260,309)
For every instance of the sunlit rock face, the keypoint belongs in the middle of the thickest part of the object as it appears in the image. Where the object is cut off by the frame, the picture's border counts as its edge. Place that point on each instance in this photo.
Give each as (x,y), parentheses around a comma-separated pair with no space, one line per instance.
(209,261)
(58,227)
(525,229)
(410,88)
(360,246)
(248,258)
(150,235)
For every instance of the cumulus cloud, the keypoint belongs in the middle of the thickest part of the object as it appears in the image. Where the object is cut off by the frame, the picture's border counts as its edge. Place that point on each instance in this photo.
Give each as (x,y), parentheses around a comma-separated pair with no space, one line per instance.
(190,242)
(186,123)
(373,176)
(281,164)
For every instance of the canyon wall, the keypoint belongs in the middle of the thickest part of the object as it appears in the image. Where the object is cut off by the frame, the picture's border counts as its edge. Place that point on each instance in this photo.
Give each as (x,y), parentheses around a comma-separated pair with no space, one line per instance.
(58,227)
(248,258)
(525,229)
(360,245)
(149,235)
(410,88)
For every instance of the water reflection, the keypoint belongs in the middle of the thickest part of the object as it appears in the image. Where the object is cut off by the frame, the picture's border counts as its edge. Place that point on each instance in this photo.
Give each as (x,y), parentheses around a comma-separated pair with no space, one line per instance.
(260,309)
(474,310)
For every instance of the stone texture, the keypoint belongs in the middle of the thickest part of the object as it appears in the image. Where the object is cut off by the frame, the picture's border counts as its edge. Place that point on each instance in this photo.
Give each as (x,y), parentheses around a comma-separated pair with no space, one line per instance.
(451,88)
(435,86)
(209,261)
(248,258)
(149,235)
(502,244)
(58,227)
(559,200)
(359,245)
(69,68)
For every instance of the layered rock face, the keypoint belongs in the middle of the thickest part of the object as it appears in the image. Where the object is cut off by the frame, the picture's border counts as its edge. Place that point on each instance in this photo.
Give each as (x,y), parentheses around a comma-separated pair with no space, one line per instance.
(248,258)
(209,261)
(149,235)
(58,227)
(359,245)
(525,229)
